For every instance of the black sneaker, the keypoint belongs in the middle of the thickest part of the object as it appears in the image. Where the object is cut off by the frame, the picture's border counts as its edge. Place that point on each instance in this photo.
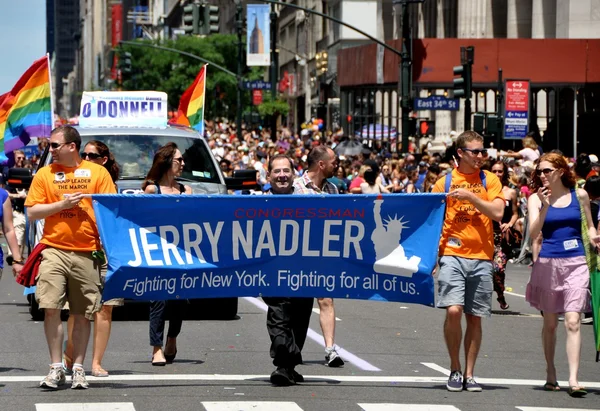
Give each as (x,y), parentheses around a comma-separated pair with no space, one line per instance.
(455,382)
(471,385)
(281,377)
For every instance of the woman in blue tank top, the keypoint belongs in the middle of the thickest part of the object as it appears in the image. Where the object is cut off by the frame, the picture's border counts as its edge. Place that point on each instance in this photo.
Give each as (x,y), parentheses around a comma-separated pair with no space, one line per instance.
(560,277)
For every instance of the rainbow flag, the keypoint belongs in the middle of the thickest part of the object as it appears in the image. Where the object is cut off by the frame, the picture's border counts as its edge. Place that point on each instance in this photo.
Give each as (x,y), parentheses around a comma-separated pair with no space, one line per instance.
(25,111)
(191,105)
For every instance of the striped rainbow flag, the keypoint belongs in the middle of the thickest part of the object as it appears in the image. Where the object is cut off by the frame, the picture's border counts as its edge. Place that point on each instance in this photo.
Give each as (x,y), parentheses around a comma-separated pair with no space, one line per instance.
(191,105)
(25,111)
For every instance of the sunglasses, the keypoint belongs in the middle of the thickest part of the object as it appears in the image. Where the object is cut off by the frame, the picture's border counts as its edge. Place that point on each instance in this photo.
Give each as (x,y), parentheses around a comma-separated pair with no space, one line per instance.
(476,152)
(498,171)
(54,146)
(546,171)
(178,159)
(91,156)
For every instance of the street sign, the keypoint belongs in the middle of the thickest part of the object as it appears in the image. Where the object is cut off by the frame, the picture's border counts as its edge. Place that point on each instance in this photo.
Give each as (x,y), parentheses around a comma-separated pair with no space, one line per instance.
(437,103)
(256,85)
(257,97)
(516,109)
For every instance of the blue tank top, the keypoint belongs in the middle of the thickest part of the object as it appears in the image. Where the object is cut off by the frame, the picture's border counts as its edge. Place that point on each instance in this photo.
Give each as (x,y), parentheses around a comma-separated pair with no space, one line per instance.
(3,197)
(562,231)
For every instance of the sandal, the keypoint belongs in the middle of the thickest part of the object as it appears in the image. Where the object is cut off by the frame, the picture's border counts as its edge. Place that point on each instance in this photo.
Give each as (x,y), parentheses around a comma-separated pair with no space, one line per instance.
(99,372)
(503,304)
(577,392)
(551,386)
(66,360)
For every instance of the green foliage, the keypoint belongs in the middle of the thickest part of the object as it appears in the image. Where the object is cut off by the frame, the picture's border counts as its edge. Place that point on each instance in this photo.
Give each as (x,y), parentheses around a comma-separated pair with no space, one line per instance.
(161,70)
(270,107)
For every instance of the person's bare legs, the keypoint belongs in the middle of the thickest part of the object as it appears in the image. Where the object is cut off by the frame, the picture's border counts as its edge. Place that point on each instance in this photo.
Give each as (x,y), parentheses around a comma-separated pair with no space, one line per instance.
(472,343)
(573,327)
(69,345)
(53,328)
(81,336)
(453,335)
(327,320)
(102,327)
(549,344)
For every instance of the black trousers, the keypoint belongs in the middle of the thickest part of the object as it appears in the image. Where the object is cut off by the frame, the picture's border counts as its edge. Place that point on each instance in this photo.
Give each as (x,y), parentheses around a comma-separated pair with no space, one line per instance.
(287,324)
(160,311)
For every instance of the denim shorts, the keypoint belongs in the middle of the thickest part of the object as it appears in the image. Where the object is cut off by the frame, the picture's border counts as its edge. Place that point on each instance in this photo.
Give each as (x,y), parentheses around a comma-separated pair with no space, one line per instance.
(466,282)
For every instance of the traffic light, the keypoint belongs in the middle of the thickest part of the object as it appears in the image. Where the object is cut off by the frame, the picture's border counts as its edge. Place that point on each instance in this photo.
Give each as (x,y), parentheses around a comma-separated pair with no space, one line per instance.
(191,19)
(426,128)
(462,84)
(210,19)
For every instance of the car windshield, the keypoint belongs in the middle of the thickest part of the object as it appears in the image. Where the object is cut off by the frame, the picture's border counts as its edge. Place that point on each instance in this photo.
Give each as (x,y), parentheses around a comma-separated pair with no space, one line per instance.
(134,154)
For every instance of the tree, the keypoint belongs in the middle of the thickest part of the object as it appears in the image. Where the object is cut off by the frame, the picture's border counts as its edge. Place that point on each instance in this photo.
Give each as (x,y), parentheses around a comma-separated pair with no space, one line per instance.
(155,69)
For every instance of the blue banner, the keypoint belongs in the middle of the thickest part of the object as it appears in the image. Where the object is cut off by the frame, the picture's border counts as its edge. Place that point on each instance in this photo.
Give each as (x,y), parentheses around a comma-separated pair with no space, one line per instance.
(359,247)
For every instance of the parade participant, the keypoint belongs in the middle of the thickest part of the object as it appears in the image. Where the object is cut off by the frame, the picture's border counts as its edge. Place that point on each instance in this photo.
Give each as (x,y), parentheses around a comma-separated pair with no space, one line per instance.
(167,165)
(287,317)
(17,197)
(503,232)
(560,277)
(71,261)
(6,215)
(466,250)
(321,164)
(97,152)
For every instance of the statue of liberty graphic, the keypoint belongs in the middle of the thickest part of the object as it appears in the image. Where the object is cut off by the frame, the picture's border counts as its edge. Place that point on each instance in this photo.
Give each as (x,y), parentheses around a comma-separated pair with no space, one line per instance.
(389,253)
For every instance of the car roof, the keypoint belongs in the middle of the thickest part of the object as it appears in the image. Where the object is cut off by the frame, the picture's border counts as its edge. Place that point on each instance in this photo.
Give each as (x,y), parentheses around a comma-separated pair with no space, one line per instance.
(170,130)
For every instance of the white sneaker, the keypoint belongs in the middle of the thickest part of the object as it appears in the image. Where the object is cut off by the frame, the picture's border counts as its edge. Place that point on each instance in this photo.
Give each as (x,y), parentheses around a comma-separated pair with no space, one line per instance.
(54,379)
(78,379)
(333,359)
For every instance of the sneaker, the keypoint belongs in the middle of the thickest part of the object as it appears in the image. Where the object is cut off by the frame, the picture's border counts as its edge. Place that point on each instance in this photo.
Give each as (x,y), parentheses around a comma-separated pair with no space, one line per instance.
(78,379)
(54,379)
(587,320)
(281,377)
(455,382)
(471,385)
(333,359)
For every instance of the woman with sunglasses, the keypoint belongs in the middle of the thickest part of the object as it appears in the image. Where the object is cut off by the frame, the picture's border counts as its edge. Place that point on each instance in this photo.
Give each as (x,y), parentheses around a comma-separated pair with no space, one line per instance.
(503,232)
(97,152)
(560,277)
(161,179)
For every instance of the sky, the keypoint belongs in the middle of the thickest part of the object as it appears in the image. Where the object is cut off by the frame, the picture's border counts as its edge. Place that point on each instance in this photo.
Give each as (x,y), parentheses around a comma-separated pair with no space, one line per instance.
(22,38)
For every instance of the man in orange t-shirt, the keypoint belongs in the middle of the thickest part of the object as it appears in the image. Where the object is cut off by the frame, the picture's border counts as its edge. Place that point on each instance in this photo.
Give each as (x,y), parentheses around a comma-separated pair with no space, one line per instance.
(466,251)
(70,267)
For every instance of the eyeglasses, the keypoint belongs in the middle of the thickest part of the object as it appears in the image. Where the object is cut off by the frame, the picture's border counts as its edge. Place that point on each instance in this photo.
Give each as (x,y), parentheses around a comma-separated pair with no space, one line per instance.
(476,152)
(498,171)
(178,159)
(91,156)
(546,171)
(55,146)
(19,158)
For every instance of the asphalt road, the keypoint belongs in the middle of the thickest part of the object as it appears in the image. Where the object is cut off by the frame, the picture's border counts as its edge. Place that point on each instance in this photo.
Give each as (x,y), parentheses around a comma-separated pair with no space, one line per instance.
(396,360)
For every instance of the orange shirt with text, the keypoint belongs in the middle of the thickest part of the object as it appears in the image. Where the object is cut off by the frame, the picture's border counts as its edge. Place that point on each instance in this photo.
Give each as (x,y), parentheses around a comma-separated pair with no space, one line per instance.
(75,228)
(467,232)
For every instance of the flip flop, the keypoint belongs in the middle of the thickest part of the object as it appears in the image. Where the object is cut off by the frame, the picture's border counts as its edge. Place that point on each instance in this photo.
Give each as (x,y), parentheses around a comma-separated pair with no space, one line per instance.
(577,392)
(99,372)
(551,386)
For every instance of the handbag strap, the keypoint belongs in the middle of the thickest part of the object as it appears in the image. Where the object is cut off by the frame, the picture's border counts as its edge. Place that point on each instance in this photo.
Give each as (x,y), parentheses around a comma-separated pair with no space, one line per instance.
(590,255)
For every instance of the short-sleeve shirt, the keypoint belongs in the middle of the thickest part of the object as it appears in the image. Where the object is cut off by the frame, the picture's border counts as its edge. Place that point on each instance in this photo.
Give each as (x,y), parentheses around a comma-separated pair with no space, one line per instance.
(529,154)
(467,232)
(75,228)
(304,185)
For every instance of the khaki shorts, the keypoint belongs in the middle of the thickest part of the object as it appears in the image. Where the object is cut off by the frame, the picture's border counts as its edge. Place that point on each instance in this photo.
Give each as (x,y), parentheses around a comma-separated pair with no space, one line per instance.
(19,225)
(71,276)
(117,302)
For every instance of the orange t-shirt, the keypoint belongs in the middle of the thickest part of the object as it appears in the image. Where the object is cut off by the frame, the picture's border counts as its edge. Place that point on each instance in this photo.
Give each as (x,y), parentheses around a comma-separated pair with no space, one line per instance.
(467,232)
(75,228)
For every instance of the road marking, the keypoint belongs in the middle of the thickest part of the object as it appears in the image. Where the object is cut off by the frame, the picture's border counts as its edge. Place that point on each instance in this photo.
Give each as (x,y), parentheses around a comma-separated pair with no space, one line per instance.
(436,367)
(388,379)
(318,311)
(318,338)
(86,406)
(553,409)
(515,294)
(251,406)
(407,407)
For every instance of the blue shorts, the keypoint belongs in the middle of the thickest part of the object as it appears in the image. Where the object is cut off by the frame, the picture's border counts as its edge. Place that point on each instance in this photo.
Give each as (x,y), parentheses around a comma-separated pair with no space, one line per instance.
(466,282)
